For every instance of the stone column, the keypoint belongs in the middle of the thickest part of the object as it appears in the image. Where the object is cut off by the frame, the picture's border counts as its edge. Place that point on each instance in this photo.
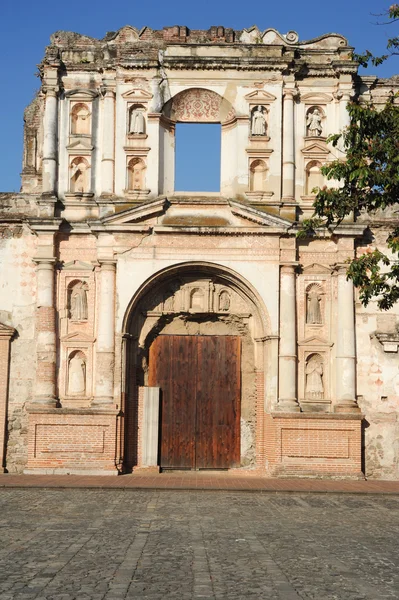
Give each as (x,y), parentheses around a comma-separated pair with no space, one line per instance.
(108,143)
(288,347)
(288,171)
(50,143)
(6,334)
(346,346)
(105,356)
(45,390)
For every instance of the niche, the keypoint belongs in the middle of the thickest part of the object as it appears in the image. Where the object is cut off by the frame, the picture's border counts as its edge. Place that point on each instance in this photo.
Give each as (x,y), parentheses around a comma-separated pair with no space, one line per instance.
(136,174)
(314,377)
(79,177)
(197,299)
(77,362)
(314,177)
(80,119)
(258,173)
(315,121)
(136,120)
(77,300)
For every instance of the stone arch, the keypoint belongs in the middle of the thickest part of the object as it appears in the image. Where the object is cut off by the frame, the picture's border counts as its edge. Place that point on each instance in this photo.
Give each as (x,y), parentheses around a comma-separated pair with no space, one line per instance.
(198,105)
(148,316)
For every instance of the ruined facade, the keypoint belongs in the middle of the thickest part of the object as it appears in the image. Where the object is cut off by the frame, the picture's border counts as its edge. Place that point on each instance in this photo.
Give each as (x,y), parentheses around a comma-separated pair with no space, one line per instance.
(124,304)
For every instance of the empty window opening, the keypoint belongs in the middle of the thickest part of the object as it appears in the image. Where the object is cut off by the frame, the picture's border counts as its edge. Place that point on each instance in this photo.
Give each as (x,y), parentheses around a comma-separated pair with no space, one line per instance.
(197,157)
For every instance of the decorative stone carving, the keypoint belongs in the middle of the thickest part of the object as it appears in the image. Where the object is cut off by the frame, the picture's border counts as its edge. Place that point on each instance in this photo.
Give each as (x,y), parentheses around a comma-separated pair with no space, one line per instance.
(224,301)
(80,119)
(136,120)
(200,105)
(77,374)
(78,310)
(314,387)
(314,122)
(258,121)
(135,174)
(313,305)
(79,175)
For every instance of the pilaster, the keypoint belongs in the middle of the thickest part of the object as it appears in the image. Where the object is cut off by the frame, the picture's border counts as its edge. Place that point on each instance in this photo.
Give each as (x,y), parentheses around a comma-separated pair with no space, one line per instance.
(288,400)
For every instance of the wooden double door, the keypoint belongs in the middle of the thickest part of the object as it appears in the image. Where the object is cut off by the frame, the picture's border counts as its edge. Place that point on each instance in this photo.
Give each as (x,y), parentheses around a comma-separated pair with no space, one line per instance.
(200,381)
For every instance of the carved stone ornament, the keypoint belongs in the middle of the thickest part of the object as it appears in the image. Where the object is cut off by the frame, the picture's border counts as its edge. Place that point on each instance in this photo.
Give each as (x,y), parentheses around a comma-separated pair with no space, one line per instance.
(77,374)
(136,121)
(258,121)
(314,122)
(78,308)
(313,305)
(314,387)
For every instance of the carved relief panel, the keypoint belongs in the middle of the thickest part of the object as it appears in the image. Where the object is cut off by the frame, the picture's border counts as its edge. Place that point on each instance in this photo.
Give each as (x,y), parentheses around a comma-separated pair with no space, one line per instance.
(314,337)
(199,296)
(76,307)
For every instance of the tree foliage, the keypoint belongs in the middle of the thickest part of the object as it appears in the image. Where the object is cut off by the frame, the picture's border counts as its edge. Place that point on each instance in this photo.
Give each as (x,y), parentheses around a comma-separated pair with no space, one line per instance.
(368,179)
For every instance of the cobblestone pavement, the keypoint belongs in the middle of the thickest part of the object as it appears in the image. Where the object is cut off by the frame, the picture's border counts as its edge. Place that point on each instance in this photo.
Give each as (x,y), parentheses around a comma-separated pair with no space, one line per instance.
(116,544)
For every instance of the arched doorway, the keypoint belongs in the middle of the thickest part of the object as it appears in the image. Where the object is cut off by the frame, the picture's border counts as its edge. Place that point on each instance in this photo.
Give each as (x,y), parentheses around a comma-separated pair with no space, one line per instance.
(194,331)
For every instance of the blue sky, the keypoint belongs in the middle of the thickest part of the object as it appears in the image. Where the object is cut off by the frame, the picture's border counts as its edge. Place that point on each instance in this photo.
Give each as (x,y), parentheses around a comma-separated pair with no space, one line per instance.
(25,28)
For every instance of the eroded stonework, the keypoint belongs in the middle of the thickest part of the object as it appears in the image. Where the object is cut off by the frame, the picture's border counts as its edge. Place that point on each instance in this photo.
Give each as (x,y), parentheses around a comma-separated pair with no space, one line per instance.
(101,256)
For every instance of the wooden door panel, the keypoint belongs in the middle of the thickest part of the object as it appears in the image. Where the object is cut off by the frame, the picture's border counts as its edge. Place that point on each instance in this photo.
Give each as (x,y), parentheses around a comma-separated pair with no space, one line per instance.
(218,402)
(172,364)
(200,381)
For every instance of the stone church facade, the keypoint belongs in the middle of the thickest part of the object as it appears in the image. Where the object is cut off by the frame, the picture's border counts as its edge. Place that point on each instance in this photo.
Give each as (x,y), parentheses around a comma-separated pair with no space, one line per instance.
(146,328)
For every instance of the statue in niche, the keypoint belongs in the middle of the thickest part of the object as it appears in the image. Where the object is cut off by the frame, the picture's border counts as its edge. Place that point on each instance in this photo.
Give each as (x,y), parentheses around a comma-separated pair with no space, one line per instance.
(224,301)
(313,123)
(136,121)
(258,124)
(77,375)
(78,303)
(314,387)
(313,308)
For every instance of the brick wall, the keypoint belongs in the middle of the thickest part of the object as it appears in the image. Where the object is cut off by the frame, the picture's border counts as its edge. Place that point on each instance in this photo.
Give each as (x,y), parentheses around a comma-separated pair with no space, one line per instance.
(76,441)
(304,444)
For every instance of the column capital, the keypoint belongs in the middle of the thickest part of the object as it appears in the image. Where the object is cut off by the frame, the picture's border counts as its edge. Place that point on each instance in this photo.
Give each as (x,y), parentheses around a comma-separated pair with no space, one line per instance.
(290,93)
(108,264)
(289,268)
(340,269)
(44,263)
(107,92)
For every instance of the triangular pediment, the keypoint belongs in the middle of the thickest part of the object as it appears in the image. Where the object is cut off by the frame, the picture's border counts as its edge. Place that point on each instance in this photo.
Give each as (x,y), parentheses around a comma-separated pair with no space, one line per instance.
(316,269)
(314,340)
(316,97)
(258,216)
(260,96)
(77,265)
(81,144)
(78,336)
(137,94)
(126,34)
(316,148)
(138,214)
(220,214)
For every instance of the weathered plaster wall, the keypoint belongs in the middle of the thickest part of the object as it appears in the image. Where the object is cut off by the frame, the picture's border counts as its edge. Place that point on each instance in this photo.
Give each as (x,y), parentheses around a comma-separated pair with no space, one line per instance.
(17,309)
